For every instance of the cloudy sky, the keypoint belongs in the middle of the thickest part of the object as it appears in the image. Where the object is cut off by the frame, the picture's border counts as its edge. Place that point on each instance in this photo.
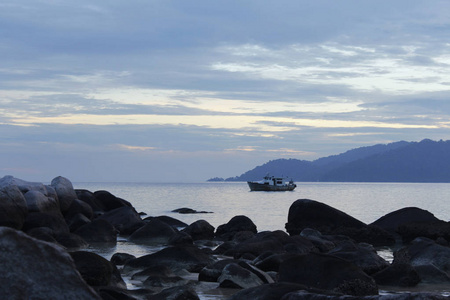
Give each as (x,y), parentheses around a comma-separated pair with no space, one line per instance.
(181,91)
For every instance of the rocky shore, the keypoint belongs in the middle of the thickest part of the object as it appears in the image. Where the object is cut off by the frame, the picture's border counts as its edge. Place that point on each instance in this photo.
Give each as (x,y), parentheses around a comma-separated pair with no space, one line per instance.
(323,253)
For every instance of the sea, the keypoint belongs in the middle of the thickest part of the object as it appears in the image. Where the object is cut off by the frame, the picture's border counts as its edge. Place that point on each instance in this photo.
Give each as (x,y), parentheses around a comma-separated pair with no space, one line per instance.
(221,201)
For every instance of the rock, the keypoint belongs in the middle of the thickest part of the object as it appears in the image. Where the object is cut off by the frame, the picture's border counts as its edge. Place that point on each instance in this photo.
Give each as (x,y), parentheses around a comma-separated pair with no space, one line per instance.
(108,201)
(176,293)
(200,230)
(272,291)
(76,221)
(32,269)
(235,225)
(425,252)
(186,210)
(79,207)
(71,241)
(161,281)
(155,270)
(119,259)
(305,213)
(38,202)
(54,221)
(362,255)
(393,220)
(153,233)
(432,230)
(306,295)
(96,270)
(98,232)
(180,238)
(175,223)
(403,275)
(64,190)
(273,261)
(125,219)
(235,276)
(13,206)
(211,273)
(111,293)
(327,272)
(180,257)
(89,198)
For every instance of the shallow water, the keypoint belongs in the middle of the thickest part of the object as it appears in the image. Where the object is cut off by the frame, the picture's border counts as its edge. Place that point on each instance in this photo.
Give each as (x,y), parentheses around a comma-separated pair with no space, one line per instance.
(269,210)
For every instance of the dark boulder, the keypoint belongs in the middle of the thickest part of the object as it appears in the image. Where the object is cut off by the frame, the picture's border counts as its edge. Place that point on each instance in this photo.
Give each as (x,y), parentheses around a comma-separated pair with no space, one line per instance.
(79,207)
(235,276)
(64,190)
(180,238)
(98,232)
(76,221)
(96,270)
(176,293)
(108,201)
(71,241)
(162,281)
(38,202)
(54,221)
(186,210)
(362,255)
(190,258)
(168,220)
(200,230)
(273,261)
(212,272)
(13,207)
(392,221)
(153,233)
(437,230)
(32,269)
(155,270)
(119,259)
(125,219)
(111,293)
(327,272)
(274,291)
(307,295)
(305,213)
(89,198)
(235,225)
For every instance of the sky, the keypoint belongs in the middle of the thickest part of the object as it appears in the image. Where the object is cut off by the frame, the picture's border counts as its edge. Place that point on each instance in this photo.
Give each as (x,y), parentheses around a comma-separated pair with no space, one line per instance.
(182,91)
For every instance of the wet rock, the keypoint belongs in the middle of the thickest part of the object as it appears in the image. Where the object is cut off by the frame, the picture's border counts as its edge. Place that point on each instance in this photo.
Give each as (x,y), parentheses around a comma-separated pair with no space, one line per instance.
(161,281)
(54,221)
(235,276)
(432,230)
(235,225)
(32,269)
(89,198)
(119,259)
(305,295)
(125,219)
(71,241)
(98,232)
(362,255)
(111,293)
(155,270)
(76,221)
(38,202)
(108,201)
(186,210)
(305,213)
(96,270)
(273,261)
(13,206)
(211,273)
(200,230)
(392,221)
(79,207)
(176,293)
(168,220)
(327,272)
(267,291)
(153,233)
(180,238)
(190,258)
(64,190)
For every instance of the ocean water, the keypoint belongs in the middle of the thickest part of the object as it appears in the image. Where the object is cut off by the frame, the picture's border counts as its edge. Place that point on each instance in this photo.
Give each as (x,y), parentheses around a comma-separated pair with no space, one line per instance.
(269,210)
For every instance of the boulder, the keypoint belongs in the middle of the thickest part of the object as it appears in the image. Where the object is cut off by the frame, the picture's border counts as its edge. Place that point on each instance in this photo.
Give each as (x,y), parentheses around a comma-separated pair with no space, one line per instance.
(98,232)
(155,270)
(76,221)
(392,221)
(190,258)
(79,207)
(38,202)
(362,255)
(235,225)
(153,233)
(125,219)
(33,269)
(54,221)
(211,273)
(119,259)
(108,201)
(89,198)
(96,270)
(13,207)
(162,281)
(437,230)
(175,223)
(64,190)
(176,293)
(306,295)
(235,276)
(200,230)
(267,291)
(327,272)
(180,238)
(306,213)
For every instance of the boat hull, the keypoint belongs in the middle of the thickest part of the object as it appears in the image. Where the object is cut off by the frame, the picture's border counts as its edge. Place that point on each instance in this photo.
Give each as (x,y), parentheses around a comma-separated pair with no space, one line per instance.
(256,186)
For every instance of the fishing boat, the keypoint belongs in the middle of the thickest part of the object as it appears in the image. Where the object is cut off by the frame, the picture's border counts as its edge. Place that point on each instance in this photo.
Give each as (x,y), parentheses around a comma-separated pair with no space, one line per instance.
(271,183)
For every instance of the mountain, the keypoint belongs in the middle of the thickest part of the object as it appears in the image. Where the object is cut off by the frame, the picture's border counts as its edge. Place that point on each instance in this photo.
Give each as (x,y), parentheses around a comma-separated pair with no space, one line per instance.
(425,161)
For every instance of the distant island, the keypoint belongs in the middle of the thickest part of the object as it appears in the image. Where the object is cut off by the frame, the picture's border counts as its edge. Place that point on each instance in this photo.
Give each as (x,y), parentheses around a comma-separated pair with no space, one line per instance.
(424,161)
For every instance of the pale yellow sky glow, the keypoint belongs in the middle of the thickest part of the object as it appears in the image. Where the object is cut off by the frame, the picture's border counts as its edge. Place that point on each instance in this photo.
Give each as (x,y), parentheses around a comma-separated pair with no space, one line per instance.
(260,123)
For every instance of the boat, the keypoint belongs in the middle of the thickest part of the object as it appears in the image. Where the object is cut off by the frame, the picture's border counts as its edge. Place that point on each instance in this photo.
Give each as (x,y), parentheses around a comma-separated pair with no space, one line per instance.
(271,183)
